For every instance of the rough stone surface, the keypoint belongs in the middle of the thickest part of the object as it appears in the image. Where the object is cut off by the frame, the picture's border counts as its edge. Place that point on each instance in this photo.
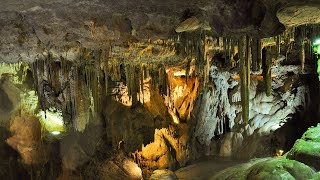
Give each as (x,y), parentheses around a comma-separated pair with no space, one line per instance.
(299,15)
(31,28)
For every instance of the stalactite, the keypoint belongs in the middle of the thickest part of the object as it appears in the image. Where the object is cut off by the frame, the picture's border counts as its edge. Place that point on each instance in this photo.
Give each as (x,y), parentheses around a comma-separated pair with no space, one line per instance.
(302,56)
(259,54)
(73,90)
(302,48)
(232,53)
(229,52)
(225,50)
(189,59)
(248,67)
(163,82)
(278,45)
(245,76)
(106,80)
(266,70)
(141,95)
(134,78)
(128,76)
(254,51)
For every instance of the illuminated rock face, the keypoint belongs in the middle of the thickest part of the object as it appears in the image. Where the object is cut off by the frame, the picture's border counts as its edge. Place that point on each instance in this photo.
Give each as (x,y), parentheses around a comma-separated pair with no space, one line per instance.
(219,112)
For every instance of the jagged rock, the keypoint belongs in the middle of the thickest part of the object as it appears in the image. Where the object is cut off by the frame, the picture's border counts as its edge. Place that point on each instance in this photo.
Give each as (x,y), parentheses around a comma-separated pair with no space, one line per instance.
(163,175)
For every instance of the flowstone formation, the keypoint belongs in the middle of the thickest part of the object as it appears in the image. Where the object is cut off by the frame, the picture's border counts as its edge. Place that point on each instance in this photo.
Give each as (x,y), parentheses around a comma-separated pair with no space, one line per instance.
(219,110)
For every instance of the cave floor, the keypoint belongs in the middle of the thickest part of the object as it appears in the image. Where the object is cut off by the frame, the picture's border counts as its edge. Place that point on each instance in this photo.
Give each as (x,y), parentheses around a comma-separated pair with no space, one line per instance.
(206,168)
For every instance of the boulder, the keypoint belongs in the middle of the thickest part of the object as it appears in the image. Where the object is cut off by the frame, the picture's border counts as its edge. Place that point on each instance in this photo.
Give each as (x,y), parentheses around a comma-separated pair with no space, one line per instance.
(26,139)
(163,175)
(307,149)
(267,168)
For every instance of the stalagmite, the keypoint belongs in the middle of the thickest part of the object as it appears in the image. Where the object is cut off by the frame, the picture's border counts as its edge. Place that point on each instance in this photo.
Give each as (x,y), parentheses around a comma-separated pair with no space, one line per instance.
(245,76)
(266,70)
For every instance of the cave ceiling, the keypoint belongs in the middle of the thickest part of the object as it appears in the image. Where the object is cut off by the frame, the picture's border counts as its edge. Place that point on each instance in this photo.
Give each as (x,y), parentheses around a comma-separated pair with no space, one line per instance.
(30,27)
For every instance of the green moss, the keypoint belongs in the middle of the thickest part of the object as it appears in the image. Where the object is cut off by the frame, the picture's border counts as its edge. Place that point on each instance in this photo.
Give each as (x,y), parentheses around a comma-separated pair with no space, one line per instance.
(268,168)
(313,134)
(280,168)
(307,149)
(316,176)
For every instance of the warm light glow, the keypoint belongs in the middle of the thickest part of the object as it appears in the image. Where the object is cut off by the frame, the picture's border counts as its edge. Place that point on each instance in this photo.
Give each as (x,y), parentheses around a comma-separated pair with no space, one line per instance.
(11,69)
(253,76)
(52,120)
(175,118)
(29,101)
(279,152)
(55,132)
(133,169)
(316,42)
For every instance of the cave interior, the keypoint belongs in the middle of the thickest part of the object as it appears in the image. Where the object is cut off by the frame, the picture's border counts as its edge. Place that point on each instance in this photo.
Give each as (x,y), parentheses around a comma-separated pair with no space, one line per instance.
(133,89)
